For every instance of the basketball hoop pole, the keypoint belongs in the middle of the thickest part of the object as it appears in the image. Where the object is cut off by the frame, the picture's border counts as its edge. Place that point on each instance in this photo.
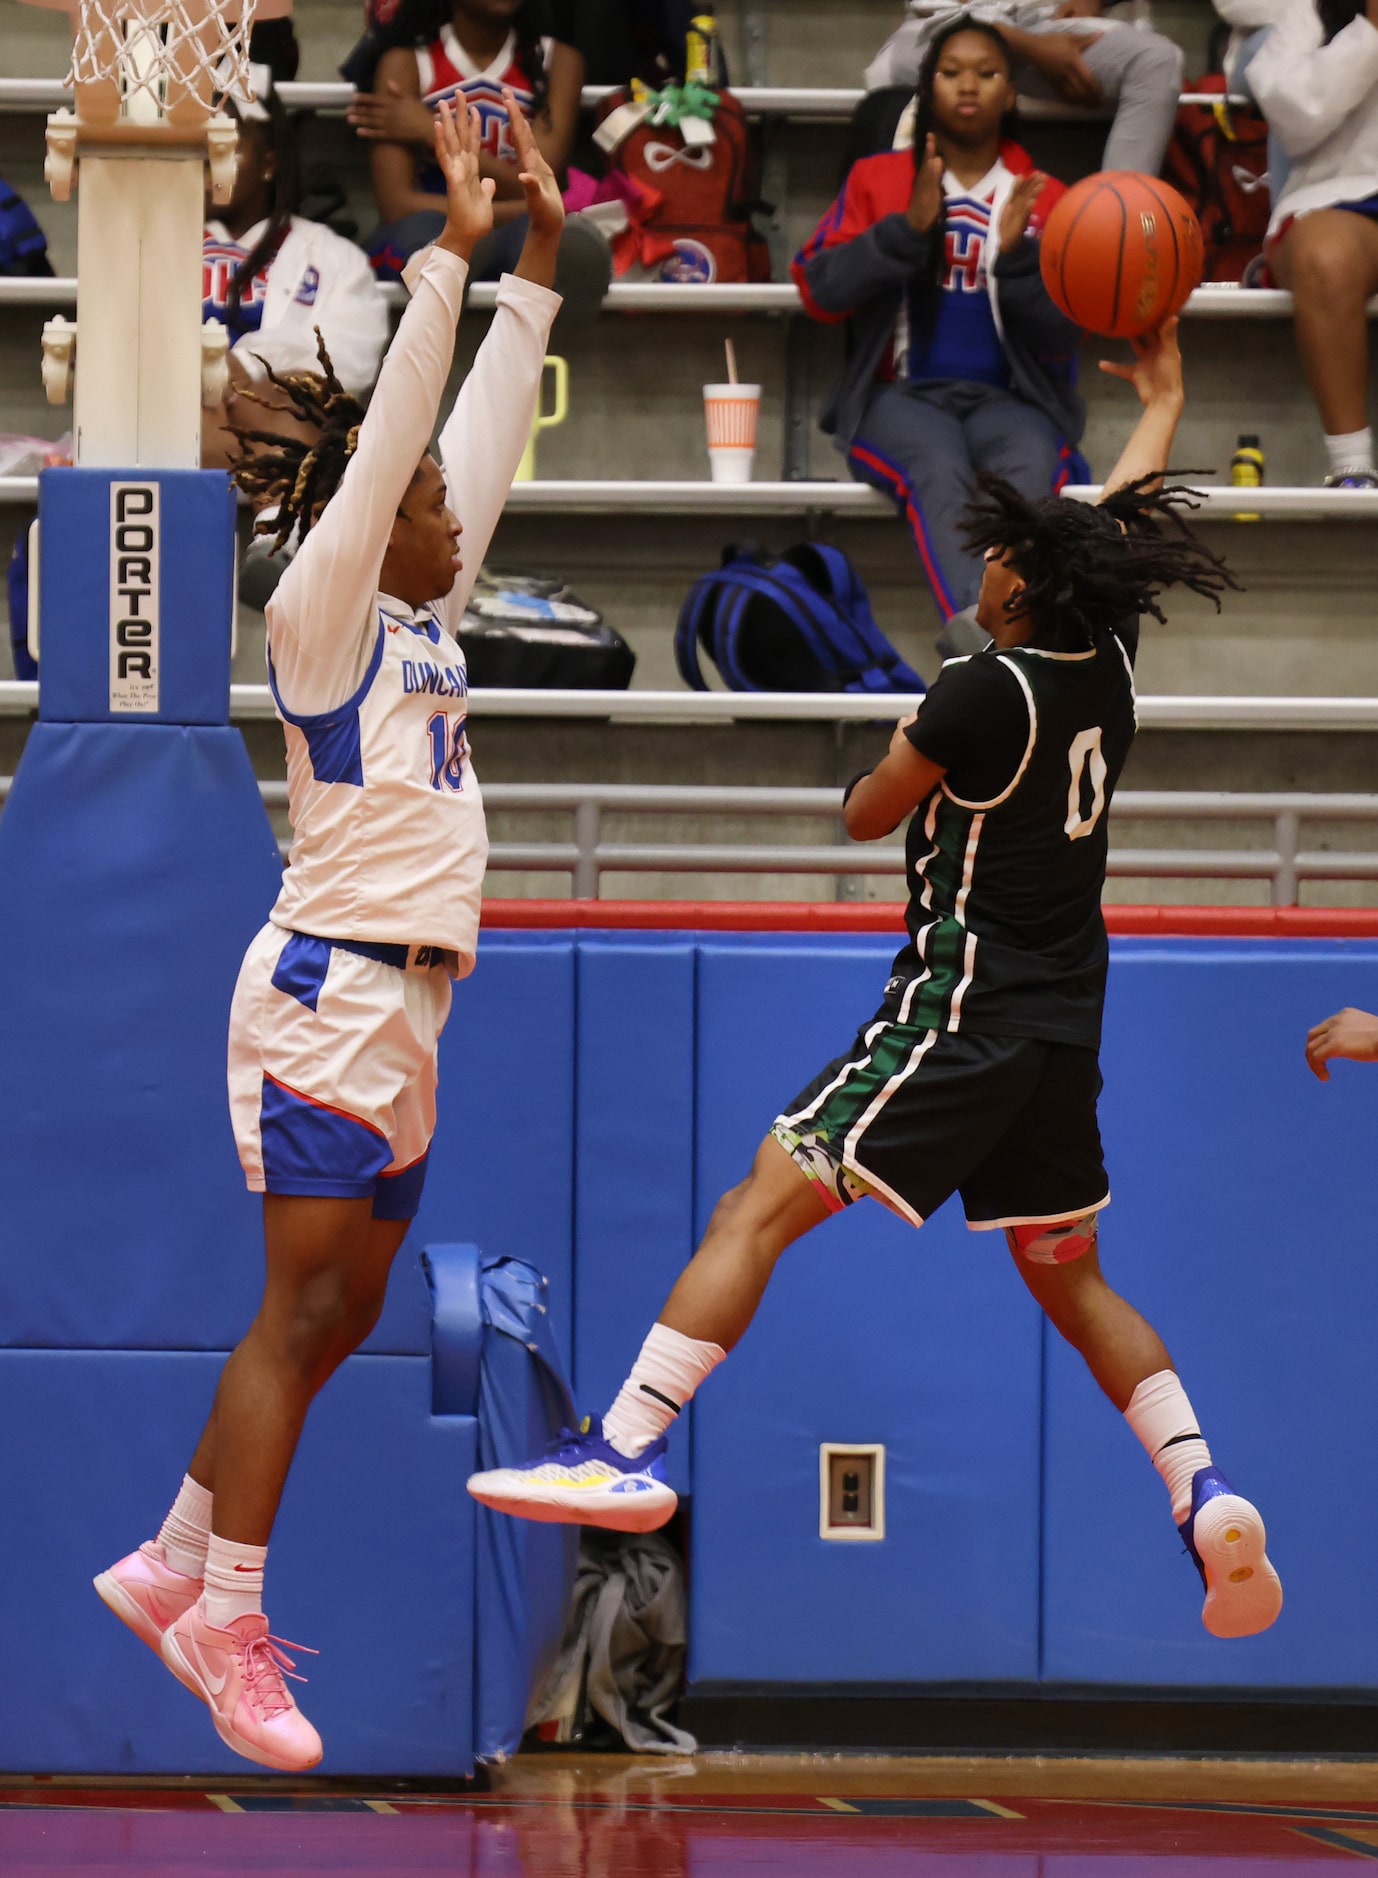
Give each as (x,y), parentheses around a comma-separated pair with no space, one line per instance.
(144,75)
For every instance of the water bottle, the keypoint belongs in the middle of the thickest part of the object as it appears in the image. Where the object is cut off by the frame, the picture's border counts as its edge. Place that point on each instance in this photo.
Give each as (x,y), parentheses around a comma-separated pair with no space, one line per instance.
(1246,470)
(701,51)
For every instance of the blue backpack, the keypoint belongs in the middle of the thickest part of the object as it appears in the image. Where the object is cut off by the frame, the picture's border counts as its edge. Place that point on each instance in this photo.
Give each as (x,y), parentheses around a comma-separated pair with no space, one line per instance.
(23,245)
(802,623)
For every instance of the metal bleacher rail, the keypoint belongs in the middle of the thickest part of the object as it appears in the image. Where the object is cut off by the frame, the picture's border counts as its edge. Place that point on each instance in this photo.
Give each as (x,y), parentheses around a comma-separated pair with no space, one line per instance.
(587,857)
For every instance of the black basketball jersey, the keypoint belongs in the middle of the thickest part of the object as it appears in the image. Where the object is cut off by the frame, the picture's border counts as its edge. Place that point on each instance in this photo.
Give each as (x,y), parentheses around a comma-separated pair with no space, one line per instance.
(1006,859)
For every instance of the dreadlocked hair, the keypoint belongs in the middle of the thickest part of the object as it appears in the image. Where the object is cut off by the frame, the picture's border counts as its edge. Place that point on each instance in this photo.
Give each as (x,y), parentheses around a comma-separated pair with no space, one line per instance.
(300,477)
(1087,568)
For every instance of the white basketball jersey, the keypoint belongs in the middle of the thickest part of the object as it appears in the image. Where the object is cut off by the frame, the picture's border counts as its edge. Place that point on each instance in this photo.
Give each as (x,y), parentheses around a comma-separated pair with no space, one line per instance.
(389,841)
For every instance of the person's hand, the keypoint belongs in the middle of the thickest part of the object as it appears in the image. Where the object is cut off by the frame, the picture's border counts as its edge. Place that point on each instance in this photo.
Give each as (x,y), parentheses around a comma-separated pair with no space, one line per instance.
(390,116)
(898,740)
(544,205)
(1156,373)
(1079,10)
(926,197)
(1058,57)
(1019,206)
(468,196)
(1349,1033)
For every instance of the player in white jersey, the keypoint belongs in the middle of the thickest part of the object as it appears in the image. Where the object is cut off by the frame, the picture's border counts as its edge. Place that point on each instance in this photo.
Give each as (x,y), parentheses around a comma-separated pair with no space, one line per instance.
(342,996)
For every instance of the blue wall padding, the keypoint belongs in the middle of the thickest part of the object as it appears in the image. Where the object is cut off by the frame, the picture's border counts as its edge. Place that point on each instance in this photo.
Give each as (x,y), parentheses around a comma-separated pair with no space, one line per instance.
(452,1280)
(371,1565)
(1243,1226)
(525,1572)
(502,1167)
(195,595)
(138,863)
(868,1334)
(634,1200)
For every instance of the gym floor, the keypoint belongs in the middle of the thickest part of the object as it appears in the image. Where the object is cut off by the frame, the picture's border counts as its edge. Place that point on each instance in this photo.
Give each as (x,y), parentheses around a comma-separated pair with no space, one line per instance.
(720,1816)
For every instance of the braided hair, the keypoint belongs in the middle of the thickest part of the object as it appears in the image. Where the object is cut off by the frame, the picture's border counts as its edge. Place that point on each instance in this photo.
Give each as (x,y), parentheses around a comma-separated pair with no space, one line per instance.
(298,476)
(280,140)
(1087,568)
(929,281)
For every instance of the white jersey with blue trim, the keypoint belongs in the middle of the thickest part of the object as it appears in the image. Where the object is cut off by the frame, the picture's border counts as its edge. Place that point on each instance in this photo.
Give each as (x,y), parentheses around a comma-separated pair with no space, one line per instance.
(389,842)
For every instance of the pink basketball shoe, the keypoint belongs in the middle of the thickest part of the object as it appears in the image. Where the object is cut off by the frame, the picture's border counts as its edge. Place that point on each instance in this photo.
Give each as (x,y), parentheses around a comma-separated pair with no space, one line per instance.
(146,1593)
(238,1673)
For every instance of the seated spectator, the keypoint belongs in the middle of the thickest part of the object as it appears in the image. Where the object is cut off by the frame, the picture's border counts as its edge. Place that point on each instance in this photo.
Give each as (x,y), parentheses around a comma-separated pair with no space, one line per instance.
(958,360)
(1066,49)
(1316,79)
(469,51)
(273,277)
(1250,22)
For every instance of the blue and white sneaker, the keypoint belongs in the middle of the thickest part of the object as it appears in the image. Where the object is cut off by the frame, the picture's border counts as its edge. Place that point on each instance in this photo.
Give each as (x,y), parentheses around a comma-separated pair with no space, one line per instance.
(1224,1535)
(581,1480)
(1352,479)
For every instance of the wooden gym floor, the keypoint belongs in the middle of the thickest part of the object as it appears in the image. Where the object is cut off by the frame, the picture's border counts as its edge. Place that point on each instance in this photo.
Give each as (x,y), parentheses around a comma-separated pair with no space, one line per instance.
(720,1816)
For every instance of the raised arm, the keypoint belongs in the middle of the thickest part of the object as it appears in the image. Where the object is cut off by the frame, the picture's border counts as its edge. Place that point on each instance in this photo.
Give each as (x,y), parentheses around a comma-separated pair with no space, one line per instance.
(1156,375)
(485,434)
(320,619)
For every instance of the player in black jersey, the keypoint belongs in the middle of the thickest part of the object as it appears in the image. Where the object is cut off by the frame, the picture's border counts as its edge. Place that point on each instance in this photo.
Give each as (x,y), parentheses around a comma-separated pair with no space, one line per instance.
(979,1074)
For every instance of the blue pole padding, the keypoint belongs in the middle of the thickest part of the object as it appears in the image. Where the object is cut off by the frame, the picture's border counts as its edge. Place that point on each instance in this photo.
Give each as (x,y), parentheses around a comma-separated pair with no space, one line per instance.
(136,595)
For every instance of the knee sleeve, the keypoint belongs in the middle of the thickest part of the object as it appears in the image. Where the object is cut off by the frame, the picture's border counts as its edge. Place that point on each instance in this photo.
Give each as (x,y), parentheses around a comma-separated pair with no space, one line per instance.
(1058,1244)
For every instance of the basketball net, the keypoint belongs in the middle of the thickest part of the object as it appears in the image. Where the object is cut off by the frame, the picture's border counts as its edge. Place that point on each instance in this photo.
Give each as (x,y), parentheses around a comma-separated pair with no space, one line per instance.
(158,60)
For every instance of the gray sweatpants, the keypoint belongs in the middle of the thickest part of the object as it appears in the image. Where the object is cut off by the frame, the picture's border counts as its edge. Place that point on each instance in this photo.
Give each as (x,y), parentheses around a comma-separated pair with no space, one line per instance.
(922,445)
(1140,71)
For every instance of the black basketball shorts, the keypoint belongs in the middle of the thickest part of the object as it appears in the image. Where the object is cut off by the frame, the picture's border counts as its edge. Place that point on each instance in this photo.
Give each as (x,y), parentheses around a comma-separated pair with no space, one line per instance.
(913,1116)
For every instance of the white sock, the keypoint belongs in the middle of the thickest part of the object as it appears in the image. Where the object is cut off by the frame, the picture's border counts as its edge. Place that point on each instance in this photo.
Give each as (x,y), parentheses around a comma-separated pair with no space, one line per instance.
(1351,453)
(187,1529)
(234,1580)
(1162,1418)
(664,1377)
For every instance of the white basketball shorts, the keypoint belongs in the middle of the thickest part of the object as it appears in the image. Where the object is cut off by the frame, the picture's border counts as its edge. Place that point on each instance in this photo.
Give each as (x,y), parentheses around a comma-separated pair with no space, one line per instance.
(332,1069)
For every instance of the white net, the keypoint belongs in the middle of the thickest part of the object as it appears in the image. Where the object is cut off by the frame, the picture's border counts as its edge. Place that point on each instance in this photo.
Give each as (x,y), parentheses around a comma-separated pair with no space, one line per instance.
(159,60)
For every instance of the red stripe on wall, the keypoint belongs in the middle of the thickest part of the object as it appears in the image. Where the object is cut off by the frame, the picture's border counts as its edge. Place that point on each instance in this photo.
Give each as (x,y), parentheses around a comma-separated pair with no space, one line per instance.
(1190,922)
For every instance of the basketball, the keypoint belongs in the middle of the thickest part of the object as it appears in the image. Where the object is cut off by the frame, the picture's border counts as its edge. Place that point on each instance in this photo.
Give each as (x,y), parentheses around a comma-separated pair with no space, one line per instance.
(1121,253)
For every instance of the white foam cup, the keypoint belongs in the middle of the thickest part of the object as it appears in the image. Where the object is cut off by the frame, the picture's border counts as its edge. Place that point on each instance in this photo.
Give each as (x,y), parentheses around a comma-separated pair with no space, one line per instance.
(730,413)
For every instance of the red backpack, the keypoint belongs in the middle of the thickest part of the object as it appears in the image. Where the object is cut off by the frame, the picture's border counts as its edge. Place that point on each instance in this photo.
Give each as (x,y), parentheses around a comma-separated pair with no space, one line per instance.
(1218,159)
(698,199)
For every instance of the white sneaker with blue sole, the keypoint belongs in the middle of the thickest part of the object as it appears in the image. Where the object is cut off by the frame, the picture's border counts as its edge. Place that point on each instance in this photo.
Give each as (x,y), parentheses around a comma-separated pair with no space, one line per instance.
(581,1480)
(1226,1539)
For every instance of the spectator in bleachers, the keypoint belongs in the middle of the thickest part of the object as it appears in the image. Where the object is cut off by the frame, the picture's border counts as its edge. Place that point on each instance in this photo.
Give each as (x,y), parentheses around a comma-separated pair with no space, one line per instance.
(468,50)
(1316,78)
(272,277)
(1067,50)
(958,359)
(1250,22)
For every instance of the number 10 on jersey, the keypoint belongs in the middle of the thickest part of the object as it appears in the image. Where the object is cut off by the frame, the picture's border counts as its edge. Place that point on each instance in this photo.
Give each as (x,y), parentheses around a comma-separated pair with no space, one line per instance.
(449,747)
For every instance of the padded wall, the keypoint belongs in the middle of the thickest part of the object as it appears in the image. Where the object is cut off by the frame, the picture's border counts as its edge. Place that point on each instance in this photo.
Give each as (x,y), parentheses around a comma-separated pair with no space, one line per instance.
(869,1333)
(502,1165)
(1243,1225)
(372,1564)
(634,1187)
(138,863)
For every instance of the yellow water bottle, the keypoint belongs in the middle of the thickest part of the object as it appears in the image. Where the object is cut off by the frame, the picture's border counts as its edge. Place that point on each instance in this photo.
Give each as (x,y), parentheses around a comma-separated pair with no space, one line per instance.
(1246,470)
(701,52)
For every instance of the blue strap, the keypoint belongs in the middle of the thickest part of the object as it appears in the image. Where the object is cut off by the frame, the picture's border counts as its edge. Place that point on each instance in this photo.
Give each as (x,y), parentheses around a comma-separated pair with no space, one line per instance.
(452,1272)
(810,616)
(688,627)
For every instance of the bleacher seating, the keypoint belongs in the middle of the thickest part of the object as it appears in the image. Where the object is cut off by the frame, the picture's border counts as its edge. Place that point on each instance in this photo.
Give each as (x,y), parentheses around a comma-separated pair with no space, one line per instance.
(631,540)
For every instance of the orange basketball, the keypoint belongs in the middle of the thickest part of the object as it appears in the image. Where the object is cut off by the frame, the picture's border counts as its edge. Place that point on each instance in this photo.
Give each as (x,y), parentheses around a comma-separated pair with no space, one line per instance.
(1120,253)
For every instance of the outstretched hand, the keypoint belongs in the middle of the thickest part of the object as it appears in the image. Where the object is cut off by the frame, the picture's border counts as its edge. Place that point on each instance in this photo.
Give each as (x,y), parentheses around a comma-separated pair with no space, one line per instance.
(926,197)
(1349,1033)
(468,196)
(1156,373)
(1019,206)
(544,204)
